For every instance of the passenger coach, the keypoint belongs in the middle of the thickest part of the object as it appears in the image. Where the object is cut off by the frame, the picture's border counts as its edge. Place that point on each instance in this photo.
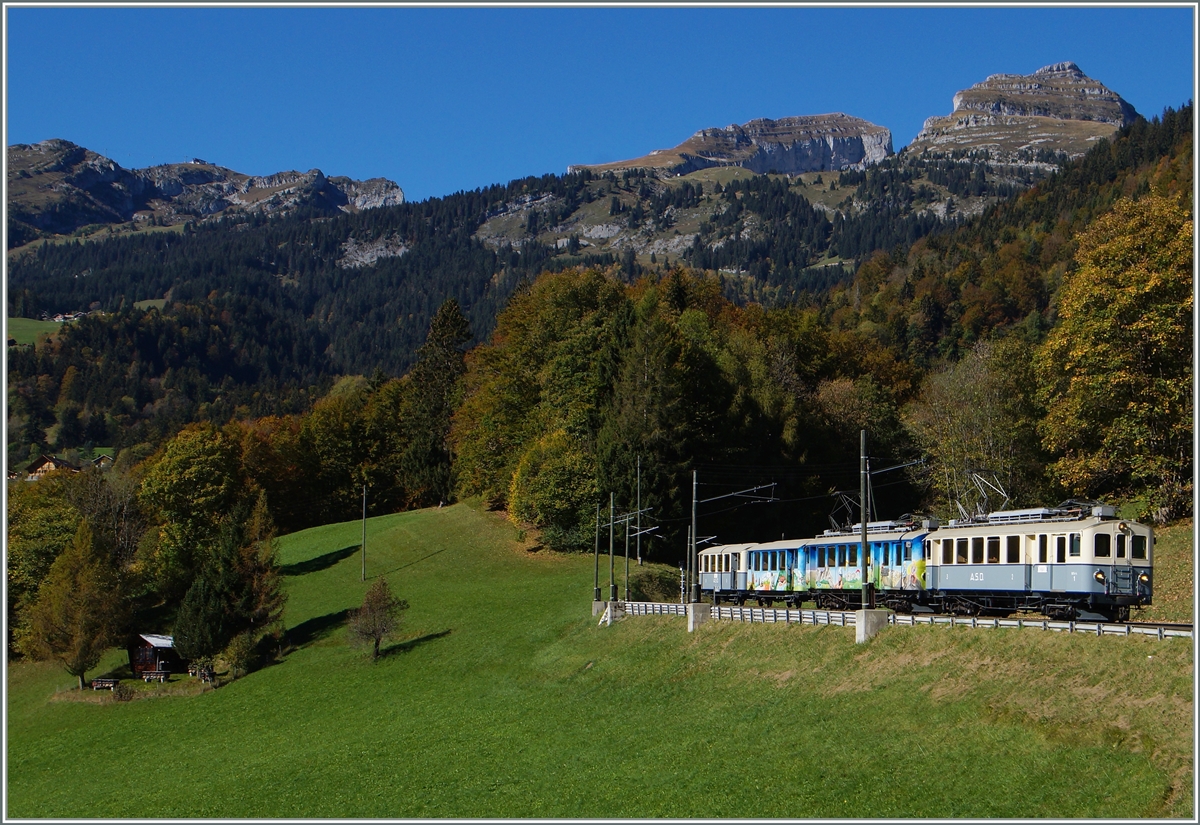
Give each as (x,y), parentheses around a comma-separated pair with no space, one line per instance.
(1074,561)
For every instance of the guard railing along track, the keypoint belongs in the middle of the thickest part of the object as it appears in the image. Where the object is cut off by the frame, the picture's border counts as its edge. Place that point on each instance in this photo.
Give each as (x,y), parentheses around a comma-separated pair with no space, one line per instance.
(845,618)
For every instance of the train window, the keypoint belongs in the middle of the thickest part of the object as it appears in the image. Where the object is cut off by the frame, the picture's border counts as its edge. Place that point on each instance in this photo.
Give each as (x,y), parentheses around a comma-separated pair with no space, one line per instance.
(977,550)
(1103,546)
(842,556)
(1043,541)
(908,551)
(774,560)
(735,562)
(852,560)
(1014,550)
(1120,545)
(947,551)
(961,554)
(1076,544)
(820,557)
(1139,547)
(993,550)
(1060,549)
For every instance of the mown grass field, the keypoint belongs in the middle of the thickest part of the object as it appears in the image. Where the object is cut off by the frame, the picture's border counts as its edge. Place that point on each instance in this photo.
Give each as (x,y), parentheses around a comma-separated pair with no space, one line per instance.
(502,698)
(28,330)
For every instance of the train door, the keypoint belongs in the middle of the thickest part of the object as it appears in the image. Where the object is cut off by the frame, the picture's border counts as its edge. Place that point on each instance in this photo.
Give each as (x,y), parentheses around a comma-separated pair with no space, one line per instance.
(1121,582)
(1058,568)
(1040,564)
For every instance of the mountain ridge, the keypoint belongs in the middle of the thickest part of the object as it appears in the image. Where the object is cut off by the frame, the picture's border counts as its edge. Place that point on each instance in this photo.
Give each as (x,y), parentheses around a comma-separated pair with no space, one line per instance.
(57,187)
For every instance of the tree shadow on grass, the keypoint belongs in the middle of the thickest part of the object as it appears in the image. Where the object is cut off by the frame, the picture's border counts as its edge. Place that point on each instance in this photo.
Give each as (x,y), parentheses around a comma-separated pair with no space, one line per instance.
(319,627)
(322,562)
(409,564)
(405,647)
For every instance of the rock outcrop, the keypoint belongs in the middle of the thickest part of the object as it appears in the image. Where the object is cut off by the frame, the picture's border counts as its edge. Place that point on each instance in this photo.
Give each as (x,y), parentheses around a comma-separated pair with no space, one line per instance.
(57,187)
(1057,108)
(790,145)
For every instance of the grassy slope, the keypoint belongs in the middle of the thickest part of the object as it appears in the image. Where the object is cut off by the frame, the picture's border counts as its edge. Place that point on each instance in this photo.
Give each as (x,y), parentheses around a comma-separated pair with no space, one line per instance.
(28,330)
(504,699)
(1174,575)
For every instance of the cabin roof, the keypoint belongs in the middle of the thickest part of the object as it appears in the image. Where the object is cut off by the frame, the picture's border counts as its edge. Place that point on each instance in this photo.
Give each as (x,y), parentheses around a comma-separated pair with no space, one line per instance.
(158,641)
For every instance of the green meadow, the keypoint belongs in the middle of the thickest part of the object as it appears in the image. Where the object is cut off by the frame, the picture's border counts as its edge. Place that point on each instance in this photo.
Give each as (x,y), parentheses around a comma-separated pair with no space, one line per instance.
(28,330)
(501,697)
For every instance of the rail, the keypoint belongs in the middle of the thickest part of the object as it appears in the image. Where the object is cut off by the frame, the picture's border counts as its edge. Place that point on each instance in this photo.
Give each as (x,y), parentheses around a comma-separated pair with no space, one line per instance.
(845,618)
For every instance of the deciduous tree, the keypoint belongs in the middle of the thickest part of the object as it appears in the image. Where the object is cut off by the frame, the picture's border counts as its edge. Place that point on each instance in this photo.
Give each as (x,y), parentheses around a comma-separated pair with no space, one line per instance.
(378,618)
(78,612)
(1115,374)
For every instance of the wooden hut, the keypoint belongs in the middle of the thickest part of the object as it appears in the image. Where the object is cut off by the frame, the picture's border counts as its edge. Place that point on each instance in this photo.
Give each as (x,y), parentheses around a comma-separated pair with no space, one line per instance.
(150,652)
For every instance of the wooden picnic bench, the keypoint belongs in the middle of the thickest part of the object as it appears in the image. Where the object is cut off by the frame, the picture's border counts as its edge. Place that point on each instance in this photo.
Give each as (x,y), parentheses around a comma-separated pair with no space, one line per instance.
(104,684)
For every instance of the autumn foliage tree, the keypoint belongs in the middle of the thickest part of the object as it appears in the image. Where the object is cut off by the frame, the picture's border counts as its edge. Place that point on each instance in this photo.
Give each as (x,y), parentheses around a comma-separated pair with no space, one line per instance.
(1115,374)
(79,610)
(978,416)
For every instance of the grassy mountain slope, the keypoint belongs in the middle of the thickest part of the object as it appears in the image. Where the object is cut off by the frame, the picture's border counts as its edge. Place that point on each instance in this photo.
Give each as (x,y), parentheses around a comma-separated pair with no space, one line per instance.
(504,699)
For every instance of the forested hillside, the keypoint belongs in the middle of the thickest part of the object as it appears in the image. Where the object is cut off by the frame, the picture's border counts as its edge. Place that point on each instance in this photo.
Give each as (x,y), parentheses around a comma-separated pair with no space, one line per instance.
(1045,344)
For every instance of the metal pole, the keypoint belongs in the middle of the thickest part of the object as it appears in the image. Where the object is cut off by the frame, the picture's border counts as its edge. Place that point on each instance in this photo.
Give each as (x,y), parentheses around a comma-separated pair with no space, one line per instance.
(626,559)
(596,581)
(692,555)
(639,512)
(612,582)
(364,538)
(862,498)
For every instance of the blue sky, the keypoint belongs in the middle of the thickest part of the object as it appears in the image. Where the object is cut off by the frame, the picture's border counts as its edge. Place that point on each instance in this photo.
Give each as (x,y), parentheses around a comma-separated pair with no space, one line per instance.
(444,99)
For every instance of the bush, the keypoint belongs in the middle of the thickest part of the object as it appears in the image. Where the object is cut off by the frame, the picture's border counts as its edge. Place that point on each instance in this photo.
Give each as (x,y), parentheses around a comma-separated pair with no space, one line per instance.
(654,583)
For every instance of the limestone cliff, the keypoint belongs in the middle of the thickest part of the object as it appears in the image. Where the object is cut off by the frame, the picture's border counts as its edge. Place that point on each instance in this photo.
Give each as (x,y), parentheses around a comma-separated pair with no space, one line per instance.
(790,145)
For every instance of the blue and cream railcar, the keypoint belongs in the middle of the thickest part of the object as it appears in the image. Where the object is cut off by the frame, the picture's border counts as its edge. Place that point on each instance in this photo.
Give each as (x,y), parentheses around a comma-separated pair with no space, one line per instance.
(897,563)
(1076,561)
(826,569)
(1066,563)
(723,568)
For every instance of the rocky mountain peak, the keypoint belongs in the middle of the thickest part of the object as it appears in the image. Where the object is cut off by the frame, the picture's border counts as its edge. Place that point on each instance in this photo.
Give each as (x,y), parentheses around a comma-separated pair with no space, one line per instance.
(1058,107)
(1060,90)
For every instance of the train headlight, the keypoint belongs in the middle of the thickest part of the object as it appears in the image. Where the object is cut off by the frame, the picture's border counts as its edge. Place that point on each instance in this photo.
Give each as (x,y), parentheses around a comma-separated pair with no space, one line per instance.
(1100,576)
(1144,578)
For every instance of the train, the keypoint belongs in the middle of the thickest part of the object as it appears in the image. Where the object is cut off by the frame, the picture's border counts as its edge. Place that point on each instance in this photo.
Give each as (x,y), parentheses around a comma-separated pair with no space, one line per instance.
(1074,561)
